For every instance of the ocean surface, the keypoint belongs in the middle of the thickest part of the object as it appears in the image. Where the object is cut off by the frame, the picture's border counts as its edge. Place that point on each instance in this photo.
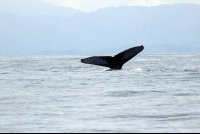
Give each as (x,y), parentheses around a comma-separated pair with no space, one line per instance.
(152,93)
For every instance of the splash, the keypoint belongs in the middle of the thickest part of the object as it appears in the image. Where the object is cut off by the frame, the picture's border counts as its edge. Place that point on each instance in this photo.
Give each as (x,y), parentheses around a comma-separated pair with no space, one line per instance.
(137,69)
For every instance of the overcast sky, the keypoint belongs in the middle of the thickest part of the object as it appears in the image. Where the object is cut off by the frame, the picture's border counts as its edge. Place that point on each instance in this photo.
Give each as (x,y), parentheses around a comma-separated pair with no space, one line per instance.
(92,5)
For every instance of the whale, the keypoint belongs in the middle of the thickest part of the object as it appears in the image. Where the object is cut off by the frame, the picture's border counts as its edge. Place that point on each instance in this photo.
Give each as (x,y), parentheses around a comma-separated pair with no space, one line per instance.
(116,62)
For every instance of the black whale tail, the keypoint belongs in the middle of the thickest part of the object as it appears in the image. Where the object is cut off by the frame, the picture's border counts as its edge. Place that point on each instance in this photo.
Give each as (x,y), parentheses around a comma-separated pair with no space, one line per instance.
(115,62)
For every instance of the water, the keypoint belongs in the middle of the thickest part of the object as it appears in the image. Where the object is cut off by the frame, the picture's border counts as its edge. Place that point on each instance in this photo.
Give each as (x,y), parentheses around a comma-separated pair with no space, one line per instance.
(153,93)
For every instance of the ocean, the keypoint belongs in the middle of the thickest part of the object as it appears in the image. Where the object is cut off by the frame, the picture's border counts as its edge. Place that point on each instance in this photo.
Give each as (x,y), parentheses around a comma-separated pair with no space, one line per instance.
(152,93)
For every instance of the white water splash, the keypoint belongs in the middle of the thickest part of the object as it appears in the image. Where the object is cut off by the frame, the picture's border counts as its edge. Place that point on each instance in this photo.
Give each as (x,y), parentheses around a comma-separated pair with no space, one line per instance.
(137,69)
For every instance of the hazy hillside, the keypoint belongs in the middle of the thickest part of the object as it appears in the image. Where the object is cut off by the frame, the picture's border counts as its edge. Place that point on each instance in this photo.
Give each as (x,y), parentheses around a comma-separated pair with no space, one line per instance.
(161,29)
(34,7)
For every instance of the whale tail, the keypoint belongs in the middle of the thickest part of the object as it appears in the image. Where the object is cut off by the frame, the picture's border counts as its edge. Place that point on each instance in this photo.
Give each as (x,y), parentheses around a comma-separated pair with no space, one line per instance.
(115,62)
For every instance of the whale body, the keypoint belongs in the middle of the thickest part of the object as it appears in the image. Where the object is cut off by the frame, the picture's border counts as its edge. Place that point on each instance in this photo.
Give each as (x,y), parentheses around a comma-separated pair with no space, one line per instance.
(115,62)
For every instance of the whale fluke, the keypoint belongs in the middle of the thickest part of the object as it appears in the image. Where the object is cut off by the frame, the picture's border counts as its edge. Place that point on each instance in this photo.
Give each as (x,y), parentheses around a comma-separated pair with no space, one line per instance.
(115,62)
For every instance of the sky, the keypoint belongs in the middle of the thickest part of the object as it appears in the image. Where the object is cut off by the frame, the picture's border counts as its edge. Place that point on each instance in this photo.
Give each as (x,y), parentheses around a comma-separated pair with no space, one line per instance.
(93,5)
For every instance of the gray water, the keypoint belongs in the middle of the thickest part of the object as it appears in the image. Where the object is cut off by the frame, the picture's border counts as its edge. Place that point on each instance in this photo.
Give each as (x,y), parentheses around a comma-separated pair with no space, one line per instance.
(152,93)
